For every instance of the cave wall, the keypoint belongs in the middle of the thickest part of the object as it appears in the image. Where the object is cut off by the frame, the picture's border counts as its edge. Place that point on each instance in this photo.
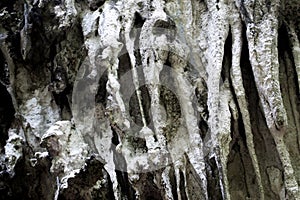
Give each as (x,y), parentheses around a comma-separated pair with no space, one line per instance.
(149,99)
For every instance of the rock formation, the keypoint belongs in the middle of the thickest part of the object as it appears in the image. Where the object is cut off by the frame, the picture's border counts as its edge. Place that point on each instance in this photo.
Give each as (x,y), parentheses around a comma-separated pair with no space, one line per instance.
(150,99)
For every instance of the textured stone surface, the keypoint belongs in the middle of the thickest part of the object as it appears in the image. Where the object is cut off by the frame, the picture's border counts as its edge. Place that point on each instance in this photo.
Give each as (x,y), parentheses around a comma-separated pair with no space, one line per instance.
(174,99)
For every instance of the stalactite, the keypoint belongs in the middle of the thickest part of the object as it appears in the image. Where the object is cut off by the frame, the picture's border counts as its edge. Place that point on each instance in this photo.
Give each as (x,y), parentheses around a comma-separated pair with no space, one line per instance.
(150,99)
(265,66)
(262,38)
(237,83)
(219,25)
(154,56)
(289,85)
(178,61)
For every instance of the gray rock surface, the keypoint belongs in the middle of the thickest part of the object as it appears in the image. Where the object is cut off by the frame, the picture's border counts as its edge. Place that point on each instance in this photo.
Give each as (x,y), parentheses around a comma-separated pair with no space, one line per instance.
(140,99)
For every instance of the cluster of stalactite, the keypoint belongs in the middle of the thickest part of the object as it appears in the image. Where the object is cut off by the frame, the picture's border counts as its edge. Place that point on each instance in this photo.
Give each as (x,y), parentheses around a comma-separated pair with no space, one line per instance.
(150,99)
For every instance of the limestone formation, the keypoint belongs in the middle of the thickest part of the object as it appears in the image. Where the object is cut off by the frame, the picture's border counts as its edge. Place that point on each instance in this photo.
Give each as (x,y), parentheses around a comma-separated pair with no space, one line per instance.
(150,99)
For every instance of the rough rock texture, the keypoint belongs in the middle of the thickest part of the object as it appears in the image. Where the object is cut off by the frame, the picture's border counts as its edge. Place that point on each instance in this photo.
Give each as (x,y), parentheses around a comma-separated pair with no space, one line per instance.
(149,99)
